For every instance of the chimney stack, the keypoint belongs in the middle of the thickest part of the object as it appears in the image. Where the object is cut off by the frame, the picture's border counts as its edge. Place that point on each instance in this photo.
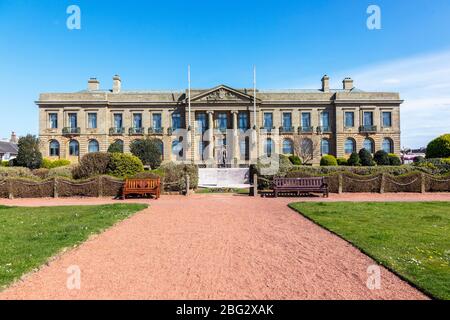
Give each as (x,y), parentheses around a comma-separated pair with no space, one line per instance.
(348,84)
(14,138)
(93,84)
(326,83)
(117,83)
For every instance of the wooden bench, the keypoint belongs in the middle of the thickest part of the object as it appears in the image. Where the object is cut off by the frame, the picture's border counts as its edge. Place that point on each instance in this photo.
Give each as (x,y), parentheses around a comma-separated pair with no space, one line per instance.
(142,187)
(300,185)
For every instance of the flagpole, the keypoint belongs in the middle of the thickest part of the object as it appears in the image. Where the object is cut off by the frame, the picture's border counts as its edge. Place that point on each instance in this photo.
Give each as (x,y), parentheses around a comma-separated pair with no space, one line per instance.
(189,97)
(254,96)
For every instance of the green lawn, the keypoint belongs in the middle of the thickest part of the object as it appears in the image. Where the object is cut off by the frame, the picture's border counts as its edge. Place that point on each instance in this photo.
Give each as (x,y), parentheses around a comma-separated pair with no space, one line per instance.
(411,238)
(219,190)
(30,236)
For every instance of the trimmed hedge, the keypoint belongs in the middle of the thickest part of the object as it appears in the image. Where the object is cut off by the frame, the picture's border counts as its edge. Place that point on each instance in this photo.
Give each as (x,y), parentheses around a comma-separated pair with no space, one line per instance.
(50,164)
(328,160)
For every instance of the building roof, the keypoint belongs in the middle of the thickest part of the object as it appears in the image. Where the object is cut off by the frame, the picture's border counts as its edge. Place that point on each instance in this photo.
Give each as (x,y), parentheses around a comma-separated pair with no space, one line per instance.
(8,147)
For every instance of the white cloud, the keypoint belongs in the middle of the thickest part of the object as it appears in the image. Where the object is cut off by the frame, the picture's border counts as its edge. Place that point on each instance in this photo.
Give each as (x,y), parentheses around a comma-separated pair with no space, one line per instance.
(424,84)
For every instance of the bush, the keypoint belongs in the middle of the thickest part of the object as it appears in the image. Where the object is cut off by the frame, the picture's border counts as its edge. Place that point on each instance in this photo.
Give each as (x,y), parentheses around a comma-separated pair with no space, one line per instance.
(65,172)
(419,159)
(4,163)
(381,158)
(394,160)
(148,151)
(342,161)
(439,147)
(92,164)
(366,158)
(328,160)
(123,165)
(115,147)
(174,178)
(29,155)
(15,172)
(41,173)
(49,164)
(295,160)
(354,160)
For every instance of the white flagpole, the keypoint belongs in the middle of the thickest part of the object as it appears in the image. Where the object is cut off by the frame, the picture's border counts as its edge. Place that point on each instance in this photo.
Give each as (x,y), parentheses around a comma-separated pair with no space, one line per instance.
(254,95)
(189,96)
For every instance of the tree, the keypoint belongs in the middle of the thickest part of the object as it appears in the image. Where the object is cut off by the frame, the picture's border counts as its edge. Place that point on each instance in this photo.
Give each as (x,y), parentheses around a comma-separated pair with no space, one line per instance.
(148,150)
(29,155)
(439,147)
(305,147)
(354,160)
(381,157)
(116,147)
(366,158)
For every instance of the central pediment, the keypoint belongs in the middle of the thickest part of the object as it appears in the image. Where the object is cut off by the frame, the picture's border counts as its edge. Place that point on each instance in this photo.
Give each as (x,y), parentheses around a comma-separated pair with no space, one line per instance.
(222,93)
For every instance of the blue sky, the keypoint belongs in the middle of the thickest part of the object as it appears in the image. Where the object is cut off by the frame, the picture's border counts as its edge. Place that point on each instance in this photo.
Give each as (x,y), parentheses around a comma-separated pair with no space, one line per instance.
(292,43)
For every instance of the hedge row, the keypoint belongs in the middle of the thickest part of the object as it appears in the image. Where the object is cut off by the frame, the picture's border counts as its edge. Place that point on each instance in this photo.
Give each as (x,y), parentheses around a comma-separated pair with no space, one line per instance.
(375,183)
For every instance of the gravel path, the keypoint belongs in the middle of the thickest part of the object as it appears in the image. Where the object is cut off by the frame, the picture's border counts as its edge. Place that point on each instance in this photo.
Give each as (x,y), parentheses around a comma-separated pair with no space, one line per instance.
(213,247)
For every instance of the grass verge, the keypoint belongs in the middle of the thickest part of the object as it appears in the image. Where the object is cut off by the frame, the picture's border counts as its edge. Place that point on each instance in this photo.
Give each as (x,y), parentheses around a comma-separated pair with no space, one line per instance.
(29,237)
(410,238)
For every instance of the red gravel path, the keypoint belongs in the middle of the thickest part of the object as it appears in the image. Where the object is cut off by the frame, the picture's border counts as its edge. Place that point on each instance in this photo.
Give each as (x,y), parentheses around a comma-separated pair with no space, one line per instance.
(213,247)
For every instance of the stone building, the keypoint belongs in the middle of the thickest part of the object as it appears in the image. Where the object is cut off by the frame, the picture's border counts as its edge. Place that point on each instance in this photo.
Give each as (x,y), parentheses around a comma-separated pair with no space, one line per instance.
(219,129)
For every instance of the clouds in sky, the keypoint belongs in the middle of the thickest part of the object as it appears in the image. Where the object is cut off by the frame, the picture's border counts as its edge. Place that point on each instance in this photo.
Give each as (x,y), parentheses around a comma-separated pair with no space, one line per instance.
(424,83)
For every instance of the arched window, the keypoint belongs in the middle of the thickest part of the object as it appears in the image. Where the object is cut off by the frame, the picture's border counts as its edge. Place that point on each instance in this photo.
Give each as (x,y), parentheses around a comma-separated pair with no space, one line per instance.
(74,148)
(325,147)
(368,145)
(177,148)
(350,146)
(387,145)
(288,147)
(54,148)
(269,147)
(93,146)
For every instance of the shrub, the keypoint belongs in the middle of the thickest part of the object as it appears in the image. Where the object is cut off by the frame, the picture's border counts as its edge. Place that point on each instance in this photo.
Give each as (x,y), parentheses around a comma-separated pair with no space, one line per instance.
(115,147)
(41,173)
(92,164)
(4,163)
(381,158)
(366,158)
(295,160)
(354,160)
(439,147)
(29,155)
(123,165)
(328,160)
(148,151)
(15,172)
(65,172)
(394,160)
(147,175)
(419,159)
(342,161)
(174,178)
(49,164)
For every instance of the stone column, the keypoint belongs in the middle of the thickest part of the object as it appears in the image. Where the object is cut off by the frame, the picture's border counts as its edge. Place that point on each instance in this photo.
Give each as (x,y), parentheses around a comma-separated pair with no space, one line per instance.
(235,136)
(211,135)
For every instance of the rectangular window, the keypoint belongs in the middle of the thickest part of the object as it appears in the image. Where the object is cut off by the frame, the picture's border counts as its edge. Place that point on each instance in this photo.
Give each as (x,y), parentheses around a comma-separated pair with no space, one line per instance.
(118,123)
(368,118)
(176,121)
(243,121)
(201,122)
(92,120)
(325,120)
(387,119)
(137,120)
(53,120)
(268,120)
(306,119)
(349,119)
(287,121)
(73,121)
(157,121)
(222,121)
